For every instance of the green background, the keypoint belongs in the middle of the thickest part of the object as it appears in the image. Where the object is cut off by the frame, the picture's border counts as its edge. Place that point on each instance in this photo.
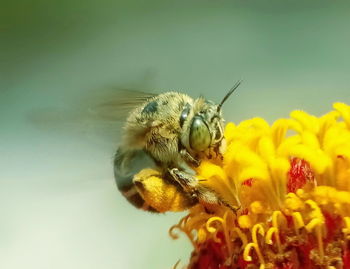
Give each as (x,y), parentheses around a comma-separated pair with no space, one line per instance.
(58,201)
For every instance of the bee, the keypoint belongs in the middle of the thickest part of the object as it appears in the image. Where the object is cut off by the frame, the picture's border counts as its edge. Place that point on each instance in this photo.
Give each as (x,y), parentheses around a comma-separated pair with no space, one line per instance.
(163,139)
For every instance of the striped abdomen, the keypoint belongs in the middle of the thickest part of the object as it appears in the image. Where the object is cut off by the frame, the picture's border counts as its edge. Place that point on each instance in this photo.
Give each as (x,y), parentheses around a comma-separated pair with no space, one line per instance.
(126,165)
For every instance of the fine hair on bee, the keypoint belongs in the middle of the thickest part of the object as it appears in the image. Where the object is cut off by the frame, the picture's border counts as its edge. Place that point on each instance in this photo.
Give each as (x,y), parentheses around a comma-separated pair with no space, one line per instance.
(164,138)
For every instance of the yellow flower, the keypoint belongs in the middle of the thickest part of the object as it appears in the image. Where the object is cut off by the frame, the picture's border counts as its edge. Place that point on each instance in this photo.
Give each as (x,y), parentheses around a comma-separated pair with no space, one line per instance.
(290,184)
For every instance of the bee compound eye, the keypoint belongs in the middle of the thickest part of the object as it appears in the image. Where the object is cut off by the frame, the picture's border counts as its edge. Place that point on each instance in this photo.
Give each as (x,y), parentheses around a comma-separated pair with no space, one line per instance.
(199,135)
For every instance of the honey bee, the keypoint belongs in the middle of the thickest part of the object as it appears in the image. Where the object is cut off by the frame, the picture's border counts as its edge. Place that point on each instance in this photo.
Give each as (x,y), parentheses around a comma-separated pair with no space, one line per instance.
(163,139)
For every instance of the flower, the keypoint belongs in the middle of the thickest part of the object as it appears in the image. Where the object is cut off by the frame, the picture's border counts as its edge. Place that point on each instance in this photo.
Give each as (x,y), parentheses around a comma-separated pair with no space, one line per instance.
(289,183)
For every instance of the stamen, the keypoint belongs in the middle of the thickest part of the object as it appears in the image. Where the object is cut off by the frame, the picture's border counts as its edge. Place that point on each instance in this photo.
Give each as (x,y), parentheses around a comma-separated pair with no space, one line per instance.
(320,241)
(298,222)
(293,202)
(181,226)
(201,236)
(276,216)
(316,223)
(346,230)
(257,228)
(248,258)
(210,228)
(270,232)
(242,236)
(223,222)
(246,251)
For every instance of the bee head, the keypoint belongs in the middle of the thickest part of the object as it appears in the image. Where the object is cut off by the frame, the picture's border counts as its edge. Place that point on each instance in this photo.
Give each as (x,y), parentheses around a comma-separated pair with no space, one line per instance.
(203,124)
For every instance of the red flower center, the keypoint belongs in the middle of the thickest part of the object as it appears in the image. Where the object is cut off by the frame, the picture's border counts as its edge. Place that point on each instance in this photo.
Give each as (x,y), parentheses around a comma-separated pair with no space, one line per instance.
(299,174)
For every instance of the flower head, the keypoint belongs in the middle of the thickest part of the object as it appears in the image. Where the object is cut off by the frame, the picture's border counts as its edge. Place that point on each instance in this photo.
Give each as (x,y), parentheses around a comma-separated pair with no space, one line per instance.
(289,183)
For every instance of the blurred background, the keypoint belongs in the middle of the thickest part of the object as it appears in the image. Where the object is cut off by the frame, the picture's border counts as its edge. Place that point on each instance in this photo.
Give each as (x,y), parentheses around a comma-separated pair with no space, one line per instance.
(58,202)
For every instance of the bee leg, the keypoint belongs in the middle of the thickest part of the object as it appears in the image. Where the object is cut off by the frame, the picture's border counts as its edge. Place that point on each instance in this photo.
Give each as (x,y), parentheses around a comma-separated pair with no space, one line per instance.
(185,180)
(189,158)
(191,185)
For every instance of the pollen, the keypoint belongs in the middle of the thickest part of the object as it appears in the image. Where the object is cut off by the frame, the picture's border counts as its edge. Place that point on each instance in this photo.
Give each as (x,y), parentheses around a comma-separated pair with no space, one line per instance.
(289,183)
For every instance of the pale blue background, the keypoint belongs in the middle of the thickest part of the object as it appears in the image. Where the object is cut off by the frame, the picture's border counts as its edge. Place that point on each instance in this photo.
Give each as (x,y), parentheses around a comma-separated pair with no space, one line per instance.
(58,202)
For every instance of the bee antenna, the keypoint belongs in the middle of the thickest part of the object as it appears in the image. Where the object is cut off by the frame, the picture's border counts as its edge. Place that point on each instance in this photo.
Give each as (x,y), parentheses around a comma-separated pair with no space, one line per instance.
(228,94)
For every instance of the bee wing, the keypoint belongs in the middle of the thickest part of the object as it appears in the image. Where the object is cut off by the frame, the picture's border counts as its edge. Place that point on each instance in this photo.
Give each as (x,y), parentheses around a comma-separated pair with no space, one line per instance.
(119,104)
(98,115)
